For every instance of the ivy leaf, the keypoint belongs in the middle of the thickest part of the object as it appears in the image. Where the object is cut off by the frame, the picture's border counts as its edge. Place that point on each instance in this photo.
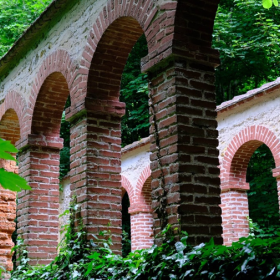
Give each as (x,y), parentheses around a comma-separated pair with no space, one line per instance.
(12,181)
(275,2)
(267,3)
(5,149)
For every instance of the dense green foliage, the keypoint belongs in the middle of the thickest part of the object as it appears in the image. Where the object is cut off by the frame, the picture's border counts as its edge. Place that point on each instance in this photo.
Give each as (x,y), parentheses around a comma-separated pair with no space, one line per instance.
(263,196)
(247,37)
(64,165)
(134,92)
(126,226)
(15,17)
(250,258)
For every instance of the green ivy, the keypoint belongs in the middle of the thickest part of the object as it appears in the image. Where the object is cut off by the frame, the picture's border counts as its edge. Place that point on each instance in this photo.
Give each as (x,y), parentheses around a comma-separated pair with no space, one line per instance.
(15,17)
(10,180)
(249,258)
(247,37)
(267,4)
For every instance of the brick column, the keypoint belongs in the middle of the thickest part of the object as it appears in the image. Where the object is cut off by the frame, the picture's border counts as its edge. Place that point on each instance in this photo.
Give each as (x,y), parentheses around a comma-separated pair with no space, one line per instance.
(38,209)
(7,217)
(184,160)
(235,210)
(96,165)
(141,218)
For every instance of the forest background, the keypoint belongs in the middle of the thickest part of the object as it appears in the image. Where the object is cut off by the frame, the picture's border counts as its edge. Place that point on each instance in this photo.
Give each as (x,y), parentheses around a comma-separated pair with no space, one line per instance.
(247,37)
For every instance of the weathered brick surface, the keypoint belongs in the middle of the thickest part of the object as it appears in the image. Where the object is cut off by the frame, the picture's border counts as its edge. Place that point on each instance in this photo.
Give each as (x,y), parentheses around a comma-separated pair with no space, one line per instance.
(184,148)
(10,131)
(7,226)
(37,210)
(96,166)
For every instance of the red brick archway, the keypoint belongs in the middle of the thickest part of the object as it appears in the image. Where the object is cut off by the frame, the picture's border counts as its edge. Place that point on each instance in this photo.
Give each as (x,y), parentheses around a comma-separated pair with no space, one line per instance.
(233,178)
(184,159)
(39,157)
(111,39)
(56,67)
(181,72)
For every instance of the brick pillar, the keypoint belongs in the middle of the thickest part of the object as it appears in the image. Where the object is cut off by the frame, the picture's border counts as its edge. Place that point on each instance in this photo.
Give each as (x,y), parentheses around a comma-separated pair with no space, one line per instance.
(141,217)
(235,211)
(184,160)
(96,165)
(38,209)
(141,228)
(7,217)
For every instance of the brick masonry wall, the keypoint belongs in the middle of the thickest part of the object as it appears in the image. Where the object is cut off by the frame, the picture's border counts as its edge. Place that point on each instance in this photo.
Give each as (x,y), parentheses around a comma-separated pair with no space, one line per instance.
(141,231)
(96,166)
(184,153)
(38,209)
(142,235)
(7,224)
(185,177)
(235,211)
(183,99)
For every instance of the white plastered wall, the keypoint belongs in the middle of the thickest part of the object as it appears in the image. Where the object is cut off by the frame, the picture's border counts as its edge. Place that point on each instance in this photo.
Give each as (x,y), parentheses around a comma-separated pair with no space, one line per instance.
(134,162)
(260,111)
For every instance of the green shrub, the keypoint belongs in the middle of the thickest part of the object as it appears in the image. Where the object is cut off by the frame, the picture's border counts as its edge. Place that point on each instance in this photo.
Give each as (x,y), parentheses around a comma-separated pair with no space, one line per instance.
(250,258)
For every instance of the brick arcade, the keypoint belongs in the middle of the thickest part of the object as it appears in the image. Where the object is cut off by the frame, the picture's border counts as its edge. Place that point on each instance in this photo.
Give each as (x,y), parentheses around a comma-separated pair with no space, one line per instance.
(79,48)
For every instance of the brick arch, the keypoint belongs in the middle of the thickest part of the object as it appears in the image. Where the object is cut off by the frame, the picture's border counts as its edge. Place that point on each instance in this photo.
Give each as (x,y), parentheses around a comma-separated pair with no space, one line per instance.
(143,192)
(144,176)
(56,74)
(128,187)
(116,30)
(15,106)
(239,152)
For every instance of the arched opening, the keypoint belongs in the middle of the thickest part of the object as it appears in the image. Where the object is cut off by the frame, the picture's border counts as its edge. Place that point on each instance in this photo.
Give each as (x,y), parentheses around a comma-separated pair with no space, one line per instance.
(41,161)
(134,92)
(234,196)
(110,58)
(104,121)
(263,195)
(49,106)
(126,226)
(9,127)
(9,131)
(246,154)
